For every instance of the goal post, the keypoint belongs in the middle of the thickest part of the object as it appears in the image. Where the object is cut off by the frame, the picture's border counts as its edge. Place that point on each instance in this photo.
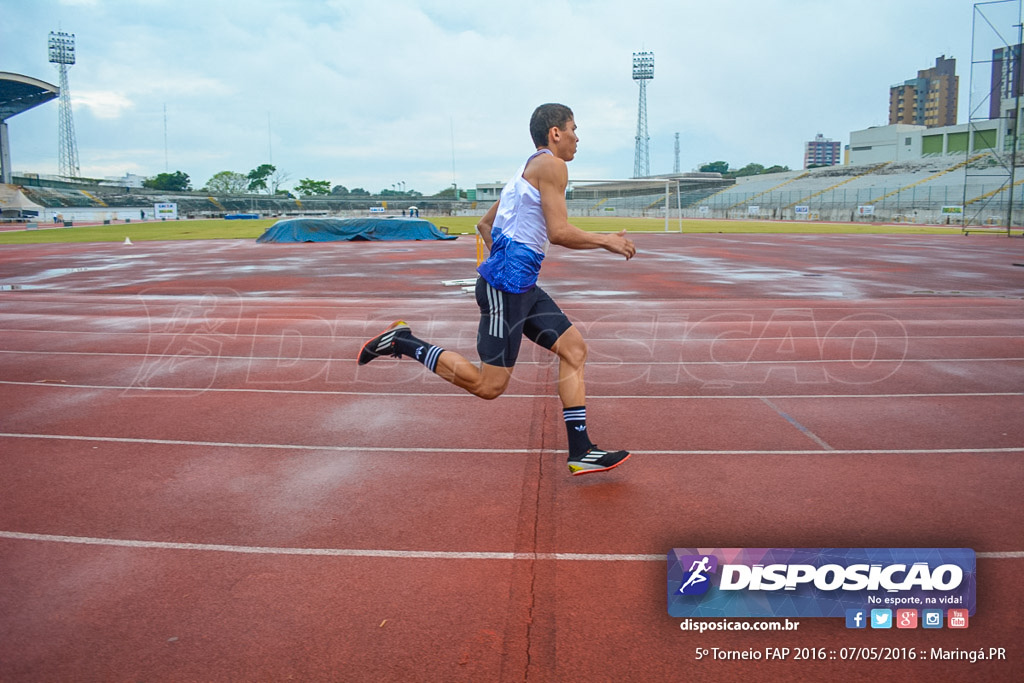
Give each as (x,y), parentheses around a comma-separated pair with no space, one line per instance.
(603,191)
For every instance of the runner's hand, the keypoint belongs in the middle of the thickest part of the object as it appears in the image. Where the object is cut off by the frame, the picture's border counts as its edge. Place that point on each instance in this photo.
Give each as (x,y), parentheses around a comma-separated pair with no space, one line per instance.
(620,244)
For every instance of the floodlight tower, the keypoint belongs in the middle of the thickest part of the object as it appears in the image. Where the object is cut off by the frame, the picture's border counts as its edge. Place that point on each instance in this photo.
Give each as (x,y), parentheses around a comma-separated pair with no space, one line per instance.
(62,53)
(643,71)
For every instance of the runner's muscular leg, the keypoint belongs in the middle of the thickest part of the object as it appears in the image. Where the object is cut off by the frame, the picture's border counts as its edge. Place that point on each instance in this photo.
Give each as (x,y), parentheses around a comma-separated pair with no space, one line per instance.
(487,381)
(572,356)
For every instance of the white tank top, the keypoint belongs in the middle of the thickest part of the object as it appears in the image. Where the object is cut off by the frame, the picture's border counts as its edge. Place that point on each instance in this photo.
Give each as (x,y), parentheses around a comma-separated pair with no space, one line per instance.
(520,217)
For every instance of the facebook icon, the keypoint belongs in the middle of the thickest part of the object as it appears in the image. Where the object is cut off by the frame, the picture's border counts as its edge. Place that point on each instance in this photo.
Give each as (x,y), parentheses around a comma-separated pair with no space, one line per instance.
(856,618)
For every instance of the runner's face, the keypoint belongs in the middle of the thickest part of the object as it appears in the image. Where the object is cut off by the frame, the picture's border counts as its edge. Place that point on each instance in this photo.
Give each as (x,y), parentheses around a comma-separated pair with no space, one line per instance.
(564,141)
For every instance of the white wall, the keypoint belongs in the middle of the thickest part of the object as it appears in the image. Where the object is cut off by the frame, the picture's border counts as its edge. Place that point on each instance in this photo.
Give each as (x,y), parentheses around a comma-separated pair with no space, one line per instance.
(898,142)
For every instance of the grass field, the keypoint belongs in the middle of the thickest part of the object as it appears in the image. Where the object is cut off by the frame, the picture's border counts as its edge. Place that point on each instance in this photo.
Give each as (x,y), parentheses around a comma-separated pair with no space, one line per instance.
(456,225)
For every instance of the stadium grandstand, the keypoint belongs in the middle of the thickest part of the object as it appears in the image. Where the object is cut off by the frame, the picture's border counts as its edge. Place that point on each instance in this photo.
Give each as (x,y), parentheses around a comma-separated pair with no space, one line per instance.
(935,190)
(943,189)
(48,199)
(646,197)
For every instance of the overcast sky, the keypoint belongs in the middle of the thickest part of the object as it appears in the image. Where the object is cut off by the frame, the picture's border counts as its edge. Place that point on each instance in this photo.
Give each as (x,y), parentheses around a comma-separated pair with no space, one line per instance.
(367,93)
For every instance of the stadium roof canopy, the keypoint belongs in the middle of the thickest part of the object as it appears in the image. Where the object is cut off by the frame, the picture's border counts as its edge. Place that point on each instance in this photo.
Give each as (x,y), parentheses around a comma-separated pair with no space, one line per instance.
(17,94)
(20,93)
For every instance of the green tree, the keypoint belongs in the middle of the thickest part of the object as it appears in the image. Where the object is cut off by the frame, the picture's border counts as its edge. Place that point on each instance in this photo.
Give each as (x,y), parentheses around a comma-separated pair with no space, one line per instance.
(449,193)
(749,169)
(339,190)
(227,182)
(258,176)
(358,191)
(715,167)
(400,193)
(755,169)
(171,182)
(309,188)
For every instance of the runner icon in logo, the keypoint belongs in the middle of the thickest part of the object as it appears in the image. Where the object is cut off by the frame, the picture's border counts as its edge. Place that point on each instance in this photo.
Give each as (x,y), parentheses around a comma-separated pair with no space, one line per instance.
(697,575)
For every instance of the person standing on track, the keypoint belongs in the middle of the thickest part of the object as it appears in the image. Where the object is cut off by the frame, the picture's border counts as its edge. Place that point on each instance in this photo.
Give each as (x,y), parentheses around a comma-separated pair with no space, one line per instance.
(517,229)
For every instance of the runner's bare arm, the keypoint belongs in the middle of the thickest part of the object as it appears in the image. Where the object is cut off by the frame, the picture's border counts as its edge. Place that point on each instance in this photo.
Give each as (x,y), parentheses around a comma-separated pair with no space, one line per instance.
(487,223)
(552,177)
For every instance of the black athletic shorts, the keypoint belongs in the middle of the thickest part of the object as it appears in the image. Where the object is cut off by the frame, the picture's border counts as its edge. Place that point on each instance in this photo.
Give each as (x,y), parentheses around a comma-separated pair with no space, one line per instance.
(506,318)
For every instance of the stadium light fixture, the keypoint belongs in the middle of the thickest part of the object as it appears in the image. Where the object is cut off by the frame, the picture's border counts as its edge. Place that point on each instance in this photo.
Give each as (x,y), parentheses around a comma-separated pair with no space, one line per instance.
(62,47)
(643,66)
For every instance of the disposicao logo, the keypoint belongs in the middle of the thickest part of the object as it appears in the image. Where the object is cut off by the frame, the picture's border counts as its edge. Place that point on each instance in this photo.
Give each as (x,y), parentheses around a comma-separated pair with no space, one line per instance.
(696,580)
(818,582)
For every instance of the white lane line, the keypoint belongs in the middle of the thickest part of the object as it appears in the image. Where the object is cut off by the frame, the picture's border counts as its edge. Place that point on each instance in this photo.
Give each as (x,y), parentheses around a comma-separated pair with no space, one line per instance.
(255,305)
(265,446)
(343,328)
(839,451)
(374,553)
(192,391)
(499,451)
(689,337)
(291,360)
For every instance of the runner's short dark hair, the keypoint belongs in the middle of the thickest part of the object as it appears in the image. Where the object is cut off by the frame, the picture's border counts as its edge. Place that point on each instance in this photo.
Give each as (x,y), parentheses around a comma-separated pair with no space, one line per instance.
(545,117)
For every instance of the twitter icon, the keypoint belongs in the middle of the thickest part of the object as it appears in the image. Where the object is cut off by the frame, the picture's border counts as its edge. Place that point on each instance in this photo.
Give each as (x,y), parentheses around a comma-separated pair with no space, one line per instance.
(881,618)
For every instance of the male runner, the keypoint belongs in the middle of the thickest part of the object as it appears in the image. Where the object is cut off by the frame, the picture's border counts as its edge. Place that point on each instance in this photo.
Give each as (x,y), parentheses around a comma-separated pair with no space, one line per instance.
(517,229)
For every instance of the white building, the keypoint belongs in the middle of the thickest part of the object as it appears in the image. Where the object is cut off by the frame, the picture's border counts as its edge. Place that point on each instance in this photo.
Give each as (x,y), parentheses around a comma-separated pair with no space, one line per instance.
(127,180)
(897,142)
(903,142)
(488,192)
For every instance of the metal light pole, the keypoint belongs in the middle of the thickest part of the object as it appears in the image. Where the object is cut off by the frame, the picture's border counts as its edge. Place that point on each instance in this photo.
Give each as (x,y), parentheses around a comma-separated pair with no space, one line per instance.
(643,71)
(62,53)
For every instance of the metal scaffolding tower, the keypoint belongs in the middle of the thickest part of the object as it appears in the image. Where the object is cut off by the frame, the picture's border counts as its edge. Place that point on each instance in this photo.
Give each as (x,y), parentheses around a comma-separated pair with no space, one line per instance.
(62,53)
(643,71)
(992,188)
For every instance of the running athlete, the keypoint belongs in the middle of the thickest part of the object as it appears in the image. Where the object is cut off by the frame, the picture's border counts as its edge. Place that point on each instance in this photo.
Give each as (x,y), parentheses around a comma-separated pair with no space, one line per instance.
(517,229)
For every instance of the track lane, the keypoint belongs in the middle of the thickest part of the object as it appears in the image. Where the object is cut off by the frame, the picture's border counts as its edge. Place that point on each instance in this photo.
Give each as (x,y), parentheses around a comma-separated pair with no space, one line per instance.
(943,482)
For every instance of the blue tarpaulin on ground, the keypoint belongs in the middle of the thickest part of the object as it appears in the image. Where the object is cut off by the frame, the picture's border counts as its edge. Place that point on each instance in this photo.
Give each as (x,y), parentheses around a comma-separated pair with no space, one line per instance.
(337,229)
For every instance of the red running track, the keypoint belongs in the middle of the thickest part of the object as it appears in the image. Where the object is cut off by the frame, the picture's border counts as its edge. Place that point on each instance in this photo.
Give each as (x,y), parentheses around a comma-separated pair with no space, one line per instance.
(198,483)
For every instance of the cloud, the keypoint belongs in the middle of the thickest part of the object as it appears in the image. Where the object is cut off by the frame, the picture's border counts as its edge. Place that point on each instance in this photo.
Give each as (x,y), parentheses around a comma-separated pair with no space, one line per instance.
(365,94)
(101,103)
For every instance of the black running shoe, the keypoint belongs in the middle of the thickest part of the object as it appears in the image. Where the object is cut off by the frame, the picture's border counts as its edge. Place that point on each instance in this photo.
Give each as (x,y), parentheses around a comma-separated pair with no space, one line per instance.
(596,460)
(384,343)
